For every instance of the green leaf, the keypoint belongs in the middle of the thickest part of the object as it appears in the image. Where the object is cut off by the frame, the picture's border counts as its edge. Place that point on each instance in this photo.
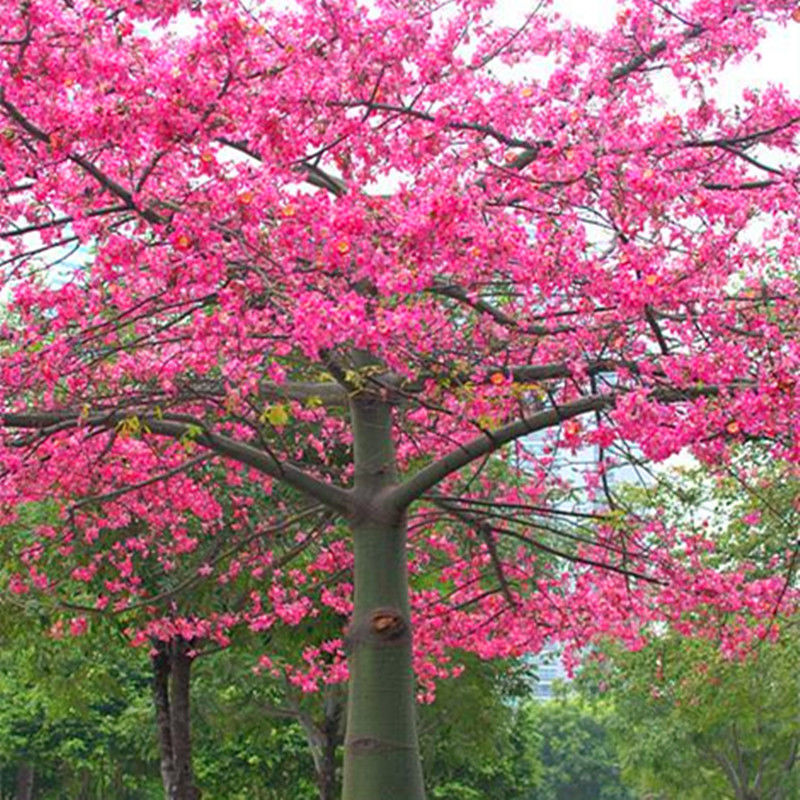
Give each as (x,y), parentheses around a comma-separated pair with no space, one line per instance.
(277,415)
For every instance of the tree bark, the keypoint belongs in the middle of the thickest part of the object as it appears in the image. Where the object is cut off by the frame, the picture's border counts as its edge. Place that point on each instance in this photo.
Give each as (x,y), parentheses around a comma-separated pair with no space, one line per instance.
(180,683)
(24,783)
(326,777)
(161,670)
(381,756)
(330,741)
(324,740)
(171,695)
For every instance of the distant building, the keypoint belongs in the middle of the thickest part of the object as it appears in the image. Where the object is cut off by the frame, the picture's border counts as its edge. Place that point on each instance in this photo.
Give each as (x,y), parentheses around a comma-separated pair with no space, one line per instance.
(549,671)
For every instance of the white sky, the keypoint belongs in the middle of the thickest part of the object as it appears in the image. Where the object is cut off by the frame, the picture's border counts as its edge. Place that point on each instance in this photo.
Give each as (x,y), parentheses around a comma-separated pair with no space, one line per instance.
(779,63)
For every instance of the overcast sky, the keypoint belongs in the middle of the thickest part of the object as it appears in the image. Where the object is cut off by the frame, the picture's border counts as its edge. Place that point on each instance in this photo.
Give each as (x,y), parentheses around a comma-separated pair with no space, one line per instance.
(780,61)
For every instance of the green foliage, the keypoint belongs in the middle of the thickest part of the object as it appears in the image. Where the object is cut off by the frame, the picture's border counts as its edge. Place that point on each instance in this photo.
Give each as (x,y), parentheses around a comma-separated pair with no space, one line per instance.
(79,710)
(484,738)
(578,758)
(690,723)
(82,723)
(676,720)
(242,750)
(472,745)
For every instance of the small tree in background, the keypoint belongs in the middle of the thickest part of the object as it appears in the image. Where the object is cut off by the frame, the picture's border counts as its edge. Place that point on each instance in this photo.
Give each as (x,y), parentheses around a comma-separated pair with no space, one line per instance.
(690,721)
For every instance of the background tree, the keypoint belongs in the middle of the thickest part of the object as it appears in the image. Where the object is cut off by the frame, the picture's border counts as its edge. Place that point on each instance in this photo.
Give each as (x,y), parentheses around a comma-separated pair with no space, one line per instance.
(691,720)
(473,744)
(690,723)
(580,760)
(73,725)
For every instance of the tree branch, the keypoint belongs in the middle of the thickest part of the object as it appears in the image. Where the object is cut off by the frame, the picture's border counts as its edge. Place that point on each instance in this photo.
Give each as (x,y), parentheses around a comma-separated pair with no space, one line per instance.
(87,166)
(486,531)
(185,427)
(424,480)
(573,557)
(413,488)
(315,175)
(101,498)
(659,47)
(462,296)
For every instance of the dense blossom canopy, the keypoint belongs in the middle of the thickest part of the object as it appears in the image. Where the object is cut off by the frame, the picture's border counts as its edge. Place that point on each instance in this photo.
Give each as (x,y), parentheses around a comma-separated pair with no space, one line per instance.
(223,225)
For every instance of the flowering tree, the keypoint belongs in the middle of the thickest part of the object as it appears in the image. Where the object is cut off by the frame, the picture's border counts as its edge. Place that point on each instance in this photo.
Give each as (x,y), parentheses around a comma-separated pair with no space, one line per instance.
(333,249)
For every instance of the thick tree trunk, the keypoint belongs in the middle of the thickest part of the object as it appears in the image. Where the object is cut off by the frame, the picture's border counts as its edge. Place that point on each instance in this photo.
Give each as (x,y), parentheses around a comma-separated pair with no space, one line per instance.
(24,787)
(381,759)
(171,687)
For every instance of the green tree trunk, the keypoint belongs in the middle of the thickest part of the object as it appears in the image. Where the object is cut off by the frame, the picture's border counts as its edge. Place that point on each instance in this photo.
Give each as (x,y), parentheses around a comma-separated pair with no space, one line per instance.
(381,759)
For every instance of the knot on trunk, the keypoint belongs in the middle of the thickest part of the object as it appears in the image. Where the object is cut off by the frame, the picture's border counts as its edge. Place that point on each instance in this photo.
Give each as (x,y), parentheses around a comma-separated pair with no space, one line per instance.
(382,625)
(388,623)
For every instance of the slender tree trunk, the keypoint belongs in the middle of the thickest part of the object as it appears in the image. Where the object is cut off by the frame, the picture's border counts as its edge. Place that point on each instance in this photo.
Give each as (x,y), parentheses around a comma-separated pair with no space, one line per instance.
(181,663)
(381,759)
(326,777)
(161,670)
(171,689)
(24,787)
(324,740)
(330,741)
(86,785)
